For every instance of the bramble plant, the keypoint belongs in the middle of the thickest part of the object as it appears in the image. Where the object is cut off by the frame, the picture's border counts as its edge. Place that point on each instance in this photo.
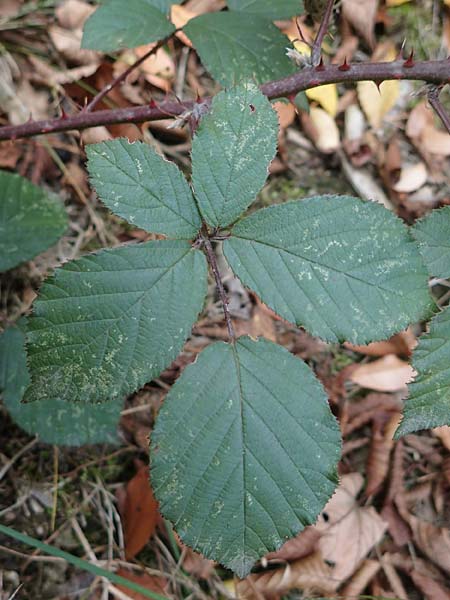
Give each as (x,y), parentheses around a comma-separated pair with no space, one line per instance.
(245,449)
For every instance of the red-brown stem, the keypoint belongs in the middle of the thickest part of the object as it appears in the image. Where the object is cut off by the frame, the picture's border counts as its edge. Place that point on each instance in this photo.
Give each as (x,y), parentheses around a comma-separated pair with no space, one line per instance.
(434,71)
(115,82)
(316,50)
(435,103)
(210,255)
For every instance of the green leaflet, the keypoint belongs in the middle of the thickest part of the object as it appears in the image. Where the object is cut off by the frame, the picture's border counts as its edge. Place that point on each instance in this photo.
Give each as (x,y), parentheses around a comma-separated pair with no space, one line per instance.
(433,234)
(231,153)
(244,451)
(117,24)
(234,47)
(428,404)
(342,268)
(54,421)
(30,220)
(143,188)
(107,323)
(281,9)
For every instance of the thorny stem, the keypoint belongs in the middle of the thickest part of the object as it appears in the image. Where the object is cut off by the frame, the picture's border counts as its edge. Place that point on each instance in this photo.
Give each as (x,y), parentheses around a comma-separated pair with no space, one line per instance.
(436,72)
(115,82)
(435,103)
(316,50)
(210,255)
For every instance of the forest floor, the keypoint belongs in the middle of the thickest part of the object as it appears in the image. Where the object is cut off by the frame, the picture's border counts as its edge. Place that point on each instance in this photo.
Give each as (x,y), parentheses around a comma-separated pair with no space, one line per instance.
(386,531)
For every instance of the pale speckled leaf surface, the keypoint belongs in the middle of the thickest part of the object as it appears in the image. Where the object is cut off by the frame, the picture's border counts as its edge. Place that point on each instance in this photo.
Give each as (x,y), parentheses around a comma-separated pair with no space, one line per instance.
(30,220)
(433,235)
(109,322)
(231,153)
(342,268)
(54,421)
(281,9)
(235,47)
(244,451)
(140,186)
(428,404)
(126,24)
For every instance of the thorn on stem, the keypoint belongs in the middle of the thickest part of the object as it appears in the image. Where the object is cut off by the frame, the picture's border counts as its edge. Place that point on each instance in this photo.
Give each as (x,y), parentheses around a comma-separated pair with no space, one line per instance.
(153,103)
(320,66)
(409,62)
(345,66)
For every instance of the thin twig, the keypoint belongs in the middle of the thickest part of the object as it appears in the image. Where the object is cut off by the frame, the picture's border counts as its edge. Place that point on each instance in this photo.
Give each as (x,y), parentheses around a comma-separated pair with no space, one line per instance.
(316,50)
(223,297)
(115,82)
(433,71)
(436,104)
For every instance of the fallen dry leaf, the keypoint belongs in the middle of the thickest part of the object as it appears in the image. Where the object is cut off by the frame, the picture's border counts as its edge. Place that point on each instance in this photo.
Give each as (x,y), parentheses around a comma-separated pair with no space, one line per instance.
(309,574)
(432,540)
(402,344)
(387,374)
(443,433)
(286,113)
(377,102)
(361,15)
(139,513)
(298,547)
(412,177)
(360,579)
(381,444)
(149,582)
(326,96)
(325,132)
(73,14)
(196,564)
(349,531)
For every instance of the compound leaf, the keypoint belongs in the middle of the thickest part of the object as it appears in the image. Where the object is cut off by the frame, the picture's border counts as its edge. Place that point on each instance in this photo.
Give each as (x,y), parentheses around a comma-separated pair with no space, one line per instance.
(342,268)
(428,404)
(54,421)
(433,234)
(234,47)
(244,451)
(282,9)
(30,220)
(109,322)
(231,153)
(139,185)
(117,24)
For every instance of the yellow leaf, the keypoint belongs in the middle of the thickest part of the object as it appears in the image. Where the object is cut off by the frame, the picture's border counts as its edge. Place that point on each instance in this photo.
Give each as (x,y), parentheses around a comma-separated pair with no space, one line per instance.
(377,103)
(230,586)
(326,96)
(398,2)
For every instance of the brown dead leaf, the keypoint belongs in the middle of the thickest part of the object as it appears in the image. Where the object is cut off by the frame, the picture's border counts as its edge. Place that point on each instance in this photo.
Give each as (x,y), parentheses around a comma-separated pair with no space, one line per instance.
(443,433)
(309,574)
(381,444)
(149,582)
(421,129)
(349,531)
(432,540)
(361,15)
(402,344)
(360,579)
(196,564)
(431,589)
(304,544)
(140,512)
(286,113)
(10,152)
(387,374)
